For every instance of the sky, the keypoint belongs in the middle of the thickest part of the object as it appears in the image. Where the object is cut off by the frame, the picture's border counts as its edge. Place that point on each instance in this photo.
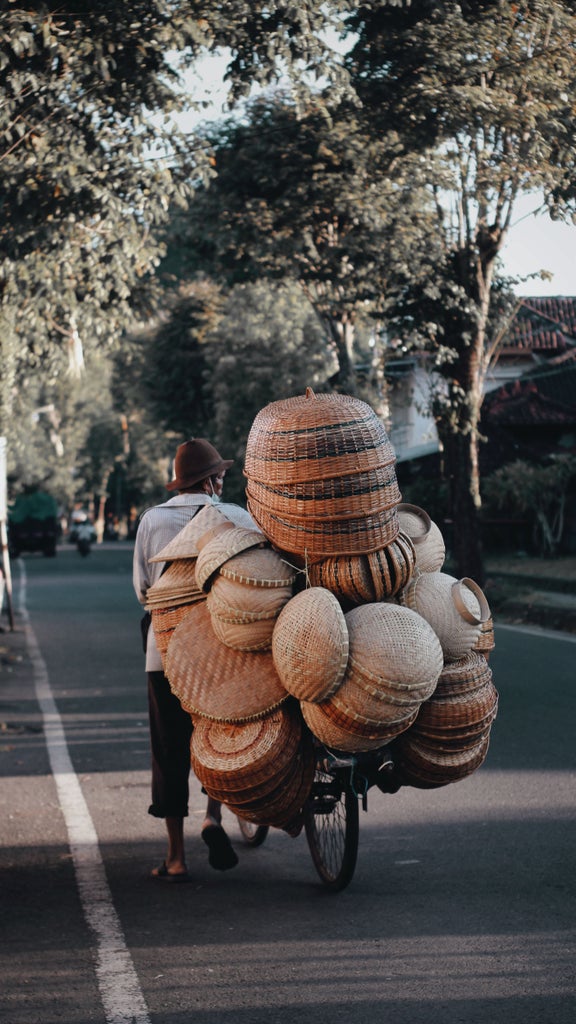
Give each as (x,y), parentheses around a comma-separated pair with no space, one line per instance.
(537,243)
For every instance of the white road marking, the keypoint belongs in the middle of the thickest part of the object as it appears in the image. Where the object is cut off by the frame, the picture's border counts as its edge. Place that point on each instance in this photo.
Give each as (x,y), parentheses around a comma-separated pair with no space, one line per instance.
(120,990)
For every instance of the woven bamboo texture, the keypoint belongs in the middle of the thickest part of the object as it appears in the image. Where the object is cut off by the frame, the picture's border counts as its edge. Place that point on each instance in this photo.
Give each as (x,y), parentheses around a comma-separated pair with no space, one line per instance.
(243,636)
(238,602)
(222,547)
(336,497)
(454,608)
(394,645)
(421,767)
(208,519)
(430,549)
(315,437)
(324,537)
(285,811)
(234,758)
(177,585)
(215,681)
(335,736)
(259,567)
(310,644)
(164,622)
(362,579)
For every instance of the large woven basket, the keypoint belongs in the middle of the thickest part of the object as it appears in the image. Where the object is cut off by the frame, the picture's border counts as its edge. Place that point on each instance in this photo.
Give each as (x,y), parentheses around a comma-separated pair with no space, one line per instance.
(336,497)
(283,809)
(456,609)
(315,437)
(319,538)
(310,644)
(216,681)
(429,546)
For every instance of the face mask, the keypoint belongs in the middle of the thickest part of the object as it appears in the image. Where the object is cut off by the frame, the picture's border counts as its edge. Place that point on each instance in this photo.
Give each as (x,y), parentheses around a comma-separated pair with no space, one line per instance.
(214,498)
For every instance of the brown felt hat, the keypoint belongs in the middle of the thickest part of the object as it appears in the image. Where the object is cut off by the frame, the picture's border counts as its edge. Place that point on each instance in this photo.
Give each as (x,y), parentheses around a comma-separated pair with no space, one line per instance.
(195,460)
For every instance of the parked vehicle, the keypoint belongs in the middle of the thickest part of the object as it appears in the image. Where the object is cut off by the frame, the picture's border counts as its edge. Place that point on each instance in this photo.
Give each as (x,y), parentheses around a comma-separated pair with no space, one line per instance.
(33,524)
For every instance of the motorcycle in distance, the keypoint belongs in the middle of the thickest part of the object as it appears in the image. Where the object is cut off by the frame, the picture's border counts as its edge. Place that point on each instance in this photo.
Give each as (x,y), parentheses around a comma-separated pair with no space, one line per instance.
(84,538)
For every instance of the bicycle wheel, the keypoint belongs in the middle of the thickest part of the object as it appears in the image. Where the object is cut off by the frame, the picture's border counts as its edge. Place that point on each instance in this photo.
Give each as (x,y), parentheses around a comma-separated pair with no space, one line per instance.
(331,825)
(252,834)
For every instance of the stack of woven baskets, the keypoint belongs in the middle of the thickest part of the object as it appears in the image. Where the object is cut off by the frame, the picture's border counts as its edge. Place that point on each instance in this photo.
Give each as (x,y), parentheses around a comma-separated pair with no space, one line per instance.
(327,615)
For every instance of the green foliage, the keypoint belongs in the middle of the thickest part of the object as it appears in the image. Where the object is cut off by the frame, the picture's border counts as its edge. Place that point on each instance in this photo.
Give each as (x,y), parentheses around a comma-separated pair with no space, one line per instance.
(268,345)
(536,493)
(321,201)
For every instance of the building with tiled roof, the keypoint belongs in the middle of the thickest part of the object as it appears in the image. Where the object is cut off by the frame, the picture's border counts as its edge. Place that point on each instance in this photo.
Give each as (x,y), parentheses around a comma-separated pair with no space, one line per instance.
(533,413)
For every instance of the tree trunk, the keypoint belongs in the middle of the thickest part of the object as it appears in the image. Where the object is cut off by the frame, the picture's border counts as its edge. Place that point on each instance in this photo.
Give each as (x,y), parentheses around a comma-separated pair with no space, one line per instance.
(341,332)
(460,452)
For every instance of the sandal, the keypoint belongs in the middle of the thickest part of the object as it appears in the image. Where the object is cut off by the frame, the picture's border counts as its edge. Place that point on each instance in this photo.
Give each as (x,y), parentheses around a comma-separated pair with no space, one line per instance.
(220,852)
(164,875)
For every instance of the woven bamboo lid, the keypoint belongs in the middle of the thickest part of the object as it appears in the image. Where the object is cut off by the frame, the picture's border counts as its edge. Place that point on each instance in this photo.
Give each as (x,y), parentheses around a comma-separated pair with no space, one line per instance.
(430,550)
(239,602)
(259,567)
(389,645)
(216,681)
(310,644)
(315,437)
(221,547)
(209,518)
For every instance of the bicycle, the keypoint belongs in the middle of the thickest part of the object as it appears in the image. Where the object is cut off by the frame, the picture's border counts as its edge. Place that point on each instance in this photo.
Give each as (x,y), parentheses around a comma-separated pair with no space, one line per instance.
(331,812)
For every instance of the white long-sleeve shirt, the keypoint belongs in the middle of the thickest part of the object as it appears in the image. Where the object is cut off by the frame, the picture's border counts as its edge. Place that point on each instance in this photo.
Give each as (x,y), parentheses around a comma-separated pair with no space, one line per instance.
(158,526)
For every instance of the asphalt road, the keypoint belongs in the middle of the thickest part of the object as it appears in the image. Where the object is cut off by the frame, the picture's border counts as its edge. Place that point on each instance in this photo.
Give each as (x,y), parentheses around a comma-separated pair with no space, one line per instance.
(461,908)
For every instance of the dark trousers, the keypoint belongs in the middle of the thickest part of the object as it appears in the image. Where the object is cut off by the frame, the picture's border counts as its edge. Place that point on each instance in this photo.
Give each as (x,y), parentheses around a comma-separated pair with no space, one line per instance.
(170,733)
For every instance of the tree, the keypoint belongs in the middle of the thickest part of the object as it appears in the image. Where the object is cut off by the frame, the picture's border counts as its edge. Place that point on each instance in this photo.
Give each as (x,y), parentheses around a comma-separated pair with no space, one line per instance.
(268,345)
(483,92)
(87,155)
(319,200)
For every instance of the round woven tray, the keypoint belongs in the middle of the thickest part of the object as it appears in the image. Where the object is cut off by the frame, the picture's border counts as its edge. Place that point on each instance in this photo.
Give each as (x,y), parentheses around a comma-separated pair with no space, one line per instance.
(394,645)
(235,602)
(259,567)
(337,737)
(430,550)
(285,812)
(177,585)
(354,708)
(310,644)
(315,437)
(243,636)
(222,547)
(235,757)
(325,537)
(420,767)
(216,681)
(464,675)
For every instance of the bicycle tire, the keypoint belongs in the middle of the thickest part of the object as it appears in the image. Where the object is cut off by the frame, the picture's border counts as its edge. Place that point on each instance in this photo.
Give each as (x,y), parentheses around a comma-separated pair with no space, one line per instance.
(331,823)
(253,835)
